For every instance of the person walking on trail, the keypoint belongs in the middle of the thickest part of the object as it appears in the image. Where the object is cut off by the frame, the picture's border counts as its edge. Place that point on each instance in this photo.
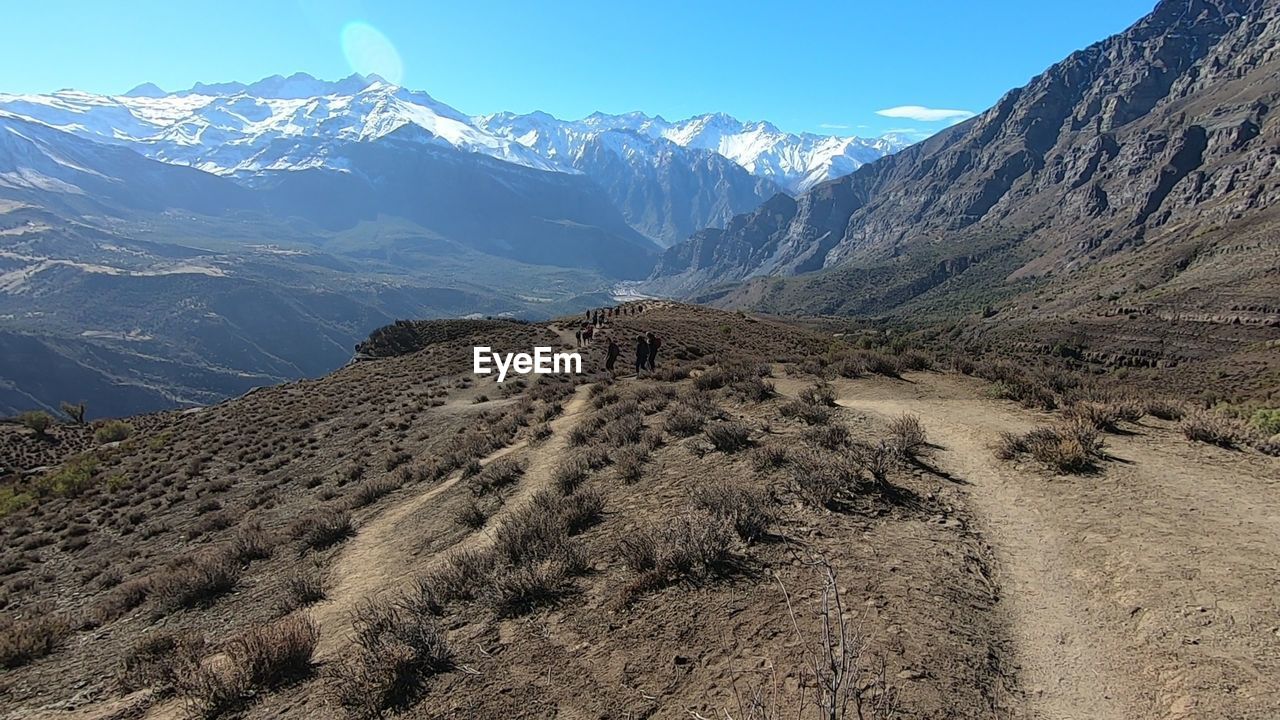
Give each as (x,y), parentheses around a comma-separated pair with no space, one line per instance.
(654,343)
(611,356)
(577,334)
(642,353)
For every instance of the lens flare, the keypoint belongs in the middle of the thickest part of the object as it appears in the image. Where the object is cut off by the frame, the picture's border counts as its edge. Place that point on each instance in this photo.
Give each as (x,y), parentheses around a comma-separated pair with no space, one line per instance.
(369,52)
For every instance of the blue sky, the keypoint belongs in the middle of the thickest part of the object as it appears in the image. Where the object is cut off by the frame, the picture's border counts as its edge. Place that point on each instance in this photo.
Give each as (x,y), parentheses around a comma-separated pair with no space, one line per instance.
(829,67)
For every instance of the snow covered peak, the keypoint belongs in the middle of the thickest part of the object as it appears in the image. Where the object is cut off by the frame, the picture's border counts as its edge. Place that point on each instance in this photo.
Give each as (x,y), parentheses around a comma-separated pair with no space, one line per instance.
(277,123)
(796,162)
(289,123)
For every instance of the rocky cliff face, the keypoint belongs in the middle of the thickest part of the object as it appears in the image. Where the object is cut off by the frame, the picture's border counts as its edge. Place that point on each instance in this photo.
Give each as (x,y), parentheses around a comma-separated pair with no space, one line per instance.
(1106,163)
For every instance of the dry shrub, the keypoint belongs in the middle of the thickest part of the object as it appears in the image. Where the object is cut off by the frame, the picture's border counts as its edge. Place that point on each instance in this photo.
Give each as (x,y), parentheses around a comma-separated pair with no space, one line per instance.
(160,660)
(671,373)
(715,378)
(123,598)
(690,546)
(875,460)
(625,430)
(31,638)
(1208,427)
(302,587)
(809,413)
(1105,415)
(472,514)
(822,478)
(541,528)
(915,360)
(459,575)
(684,419)
(831,437)
(1165,409)
(850,368)
(497,475)
(370,491)
(571,473)
(768,456)
(819,394)
(729,437)
(753,389)
(881,364)
(907,437)
(261,658)
(250,543)
(322,528)
(748,510)
(630,462)
(396,649)
(196,582)
(518,589)
(1071,447)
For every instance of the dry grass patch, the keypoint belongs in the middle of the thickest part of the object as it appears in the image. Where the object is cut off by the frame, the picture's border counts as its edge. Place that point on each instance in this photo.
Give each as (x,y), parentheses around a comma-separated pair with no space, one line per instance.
(748,510)
(261,658)
(1208,427)
(22,641)
(694,545)
(370,491)
(396,649)
(729,437)
(907,437)
(1072,447)
(322,528)
(196,582)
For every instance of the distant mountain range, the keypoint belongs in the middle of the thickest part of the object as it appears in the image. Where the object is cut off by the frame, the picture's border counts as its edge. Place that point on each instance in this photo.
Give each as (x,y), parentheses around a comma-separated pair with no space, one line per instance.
(667,179)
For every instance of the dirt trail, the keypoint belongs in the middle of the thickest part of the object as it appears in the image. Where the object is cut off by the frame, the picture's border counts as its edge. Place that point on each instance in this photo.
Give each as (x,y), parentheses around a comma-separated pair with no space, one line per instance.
(1147,590)
(378,557)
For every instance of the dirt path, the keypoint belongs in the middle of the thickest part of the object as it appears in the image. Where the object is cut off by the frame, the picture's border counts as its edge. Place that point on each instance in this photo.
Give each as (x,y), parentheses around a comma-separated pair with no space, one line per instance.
(1148,590)
(378,557)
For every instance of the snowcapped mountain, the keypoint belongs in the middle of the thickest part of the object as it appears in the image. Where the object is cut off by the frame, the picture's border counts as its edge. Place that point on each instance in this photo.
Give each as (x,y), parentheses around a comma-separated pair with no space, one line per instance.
(795,162)
(274,124)
(667,179)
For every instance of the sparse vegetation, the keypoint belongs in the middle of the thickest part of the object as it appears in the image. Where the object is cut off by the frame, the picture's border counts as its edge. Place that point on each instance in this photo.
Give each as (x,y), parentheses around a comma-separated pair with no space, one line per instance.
(690,546)
(322,528)
(747,510)
(1071,447)
(112,431)
(395,650)
(194,583)
(1208,427)
(729,437)
(907,437)
(38,421)
(25,640)
(263,657)
(74,411)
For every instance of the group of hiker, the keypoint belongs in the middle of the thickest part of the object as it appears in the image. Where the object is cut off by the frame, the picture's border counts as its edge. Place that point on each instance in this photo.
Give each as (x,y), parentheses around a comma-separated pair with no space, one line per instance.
(647,345)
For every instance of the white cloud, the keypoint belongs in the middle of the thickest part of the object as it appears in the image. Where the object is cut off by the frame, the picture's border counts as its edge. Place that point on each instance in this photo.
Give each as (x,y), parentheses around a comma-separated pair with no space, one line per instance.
(919,113)
(833,126)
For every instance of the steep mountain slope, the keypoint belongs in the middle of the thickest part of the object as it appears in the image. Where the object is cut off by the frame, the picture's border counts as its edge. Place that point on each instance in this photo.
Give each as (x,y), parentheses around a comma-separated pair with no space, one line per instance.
(1133,177)
(667,192)
(794,162)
